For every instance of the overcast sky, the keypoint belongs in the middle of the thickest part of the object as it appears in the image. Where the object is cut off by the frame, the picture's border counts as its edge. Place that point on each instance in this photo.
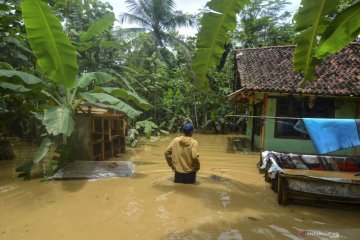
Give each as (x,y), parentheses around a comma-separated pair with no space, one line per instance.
(187,6)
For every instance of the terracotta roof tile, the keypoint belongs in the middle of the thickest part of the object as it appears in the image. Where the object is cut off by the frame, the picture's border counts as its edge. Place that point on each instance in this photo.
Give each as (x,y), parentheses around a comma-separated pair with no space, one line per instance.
(270,69)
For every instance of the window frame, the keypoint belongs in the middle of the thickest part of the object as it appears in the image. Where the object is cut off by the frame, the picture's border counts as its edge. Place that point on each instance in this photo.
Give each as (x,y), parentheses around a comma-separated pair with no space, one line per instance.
(299,107)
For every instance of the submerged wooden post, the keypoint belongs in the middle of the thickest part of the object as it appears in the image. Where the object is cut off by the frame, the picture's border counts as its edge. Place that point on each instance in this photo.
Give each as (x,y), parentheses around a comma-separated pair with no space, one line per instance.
(282,190)
(263,127)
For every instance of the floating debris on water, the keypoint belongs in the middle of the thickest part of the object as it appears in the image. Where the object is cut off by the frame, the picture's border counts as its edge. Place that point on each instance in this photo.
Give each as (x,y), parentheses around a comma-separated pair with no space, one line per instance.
(6,188)
(218,178)
(253,218)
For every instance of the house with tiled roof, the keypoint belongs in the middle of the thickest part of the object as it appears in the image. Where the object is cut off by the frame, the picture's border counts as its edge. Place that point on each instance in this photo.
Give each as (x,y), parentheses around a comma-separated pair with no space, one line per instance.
(266,86)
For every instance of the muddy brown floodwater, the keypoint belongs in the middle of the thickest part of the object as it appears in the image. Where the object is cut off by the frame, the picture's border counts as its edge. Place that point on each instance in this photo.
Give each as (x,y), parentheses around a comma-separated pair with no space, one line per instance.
(231,200)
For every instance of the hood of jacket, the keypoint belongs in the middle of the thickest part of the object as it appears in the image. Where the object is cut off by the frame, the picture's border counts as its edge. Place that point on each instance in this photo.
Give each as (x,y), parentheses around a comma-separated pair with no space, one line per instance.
(186,140)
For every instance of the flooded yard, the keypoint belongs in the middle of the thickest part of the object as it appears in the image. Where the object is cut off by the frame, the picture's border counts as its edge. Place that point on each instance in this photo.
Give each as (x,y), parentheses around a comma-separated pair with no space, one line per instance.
(230,200)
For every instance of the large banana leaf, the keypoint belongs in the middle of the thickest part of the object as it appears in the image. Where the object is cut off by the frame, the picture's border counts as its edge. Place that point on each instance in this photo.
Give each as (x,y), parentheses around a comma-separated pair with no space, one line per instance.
(14,87)
(99,97)
(147,125)
(44,148)
(311,23)
(124,94)
(213,34)
(4,65)
(98,27)
(342,30)
(25,169)
(25,77)
(93,78)
(113,101)
(123,107)
(59,120)
(99,77)
(122,79)
(51,46)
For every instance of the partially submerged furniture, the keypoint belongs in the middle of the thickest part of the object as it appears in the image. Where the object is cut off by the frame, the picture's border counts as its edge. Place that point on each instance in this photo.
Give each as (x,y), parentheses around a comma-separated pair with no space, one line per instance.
(318,186)
(101,132)
(301,176)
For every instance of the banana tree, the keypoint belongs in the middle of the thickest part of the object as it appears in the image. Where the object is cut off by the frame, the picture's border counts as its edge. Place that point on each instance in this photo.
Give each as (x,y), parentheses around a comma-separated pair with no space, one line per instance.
(214,33)
(85,38)
(57,60)
(321,34)
(60,119)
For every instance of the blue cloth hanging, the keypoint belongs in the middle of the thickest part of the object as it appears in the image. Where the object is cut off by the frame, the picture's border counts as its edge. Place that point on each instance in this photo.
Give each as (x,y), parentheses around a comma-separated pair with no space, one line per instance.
(330,135)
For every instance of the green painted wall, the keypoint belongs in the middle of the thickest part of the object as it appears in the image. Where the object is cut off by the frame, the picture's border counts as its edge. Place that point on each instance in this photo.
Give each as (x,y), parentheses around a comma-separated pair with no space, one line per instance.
(282,144)
(346,110)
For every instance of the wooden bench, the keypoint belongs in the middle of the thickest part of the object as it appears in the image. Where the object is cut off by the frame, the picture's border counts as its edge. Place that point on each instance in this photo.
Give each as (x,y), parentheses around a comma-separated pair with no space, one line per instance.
(292,183)
(318,186)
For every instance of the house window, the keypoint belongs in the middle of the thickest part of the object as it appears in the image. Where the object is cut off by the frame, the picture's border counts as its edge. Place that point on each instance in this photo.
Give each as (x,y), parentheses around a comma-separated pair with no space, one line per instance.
(300,107)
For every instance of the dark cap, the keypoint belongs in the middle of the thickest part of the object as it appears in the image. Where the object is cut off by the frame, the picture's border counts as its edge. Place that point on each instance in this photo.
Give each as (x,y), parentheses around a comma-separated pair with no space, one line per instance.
(188,128)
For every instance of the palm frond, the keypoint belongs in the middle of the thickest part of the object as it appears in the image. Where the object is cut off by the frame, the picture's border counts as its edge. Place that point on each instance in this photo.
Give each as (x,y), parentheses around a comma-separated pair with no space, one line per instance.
(157,15)
(131,18)
(176,41)
(169,4)
(144,10)
(132,5)
(134,30)
(178,19)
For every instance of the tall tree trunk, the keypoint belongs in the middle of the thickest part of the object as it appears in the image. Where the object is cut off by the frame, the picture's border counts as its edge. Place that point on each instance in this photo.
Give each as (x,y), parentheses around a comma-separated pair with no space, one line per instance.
(194,100)
(195,110)
(154,94)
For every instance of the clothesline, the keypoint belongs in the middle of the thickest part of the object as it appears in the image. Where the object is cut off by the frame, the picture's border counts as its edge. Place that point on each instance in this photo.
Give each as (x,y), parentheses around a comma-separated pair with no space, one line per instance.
(262,117)
(271,117)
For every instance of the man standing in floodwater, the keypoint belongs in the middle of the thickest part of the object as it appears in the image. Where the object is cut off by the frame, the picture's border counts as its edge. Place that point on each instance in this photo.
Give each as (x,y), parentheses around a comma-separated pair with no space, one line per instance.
(183,157)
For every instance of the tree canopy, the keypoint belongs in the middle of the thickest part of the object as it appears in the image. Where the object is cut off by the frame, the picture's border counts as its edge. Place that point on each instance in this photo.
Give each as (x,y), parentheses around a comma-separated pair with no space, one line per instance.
(157,18)
(264,23)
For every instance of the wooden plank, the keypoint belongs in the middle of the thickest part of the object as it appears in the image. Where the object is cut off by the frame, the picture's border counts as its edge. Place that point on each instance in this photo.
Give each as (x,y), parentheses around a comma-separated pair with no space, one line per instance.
(319,197)
(322,174)
(284,193)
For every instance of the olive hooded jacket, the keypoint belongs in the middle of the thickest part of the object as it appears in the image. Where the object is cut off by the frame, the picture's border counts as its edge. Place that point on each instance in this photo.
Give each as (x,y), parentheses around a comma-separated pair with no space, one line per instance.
(182,155)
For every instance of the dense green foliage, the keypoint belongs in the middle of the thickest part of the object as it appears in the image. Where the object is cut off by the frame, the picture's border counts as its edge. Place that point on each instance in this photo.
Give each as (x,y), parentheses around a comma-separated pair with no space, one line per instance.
(13,45)
(56,54)
(157,18)
(265,23)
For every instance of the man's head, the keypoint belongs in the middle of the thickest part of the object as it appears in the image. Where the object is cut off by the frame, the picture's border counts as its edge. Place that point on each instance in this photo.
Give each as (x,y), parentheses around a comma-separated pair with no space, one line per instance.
(188,129)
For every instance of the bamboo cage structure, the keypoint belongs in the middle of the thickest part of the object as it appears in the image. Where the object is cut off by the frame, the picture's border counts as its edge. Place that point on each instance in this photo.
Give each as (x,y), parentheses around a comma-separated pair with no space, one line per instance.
(101,132)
